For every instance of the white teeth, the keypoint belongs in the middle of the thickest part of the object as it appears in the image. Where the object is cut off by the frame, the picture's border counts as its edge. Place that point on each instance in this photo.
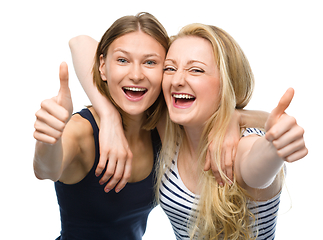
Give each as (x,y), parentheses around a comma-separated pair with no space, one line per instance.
(186,96)
(135,89)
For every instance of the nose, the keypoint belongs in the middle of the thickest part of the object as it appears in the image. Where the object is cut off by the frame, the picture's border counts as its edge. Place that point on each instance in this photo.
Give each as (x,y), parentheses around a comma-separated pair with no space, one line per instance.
(136,73)
(178,78)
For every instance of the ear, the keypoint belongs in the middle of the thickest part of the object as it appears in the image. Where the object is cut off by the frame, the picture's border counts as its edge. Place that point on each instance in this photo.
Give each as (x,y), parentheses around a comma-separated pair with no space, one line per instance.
(102,69)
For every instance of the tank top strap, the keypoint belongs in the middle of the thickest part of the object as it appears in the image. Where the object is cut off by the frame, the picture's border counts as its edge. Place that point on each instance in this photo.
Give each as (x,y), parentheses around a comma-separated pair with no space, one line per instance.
(86,113)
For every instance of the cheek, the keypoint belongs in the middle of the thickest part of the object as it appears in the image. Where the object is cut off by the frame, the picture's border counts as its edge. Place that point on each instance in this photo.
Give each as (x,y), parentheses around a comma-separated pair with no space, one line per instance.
(156,91)
(211,95)
(213,92)
(157,80)
(156,83)
(166,86)
(156,74)
(115,72)
(166,82)
(111,76)
(112,82)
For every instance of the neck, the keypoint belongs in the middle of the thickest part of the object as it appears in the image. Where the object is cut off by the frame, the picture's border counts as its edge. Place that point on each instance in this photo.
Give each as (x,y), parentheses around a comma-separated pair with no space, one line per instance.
(187,162)
(193,136)
(134,126)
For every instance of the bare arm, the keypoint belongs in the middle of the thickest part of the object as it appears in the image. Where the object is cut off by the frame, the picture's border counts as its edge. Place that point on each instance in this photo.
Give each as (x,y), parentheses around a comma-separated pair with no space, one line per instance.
(50,160)
(83,50)
(113,144)
(252,118)
(260,159)
(240,118)
(259,165)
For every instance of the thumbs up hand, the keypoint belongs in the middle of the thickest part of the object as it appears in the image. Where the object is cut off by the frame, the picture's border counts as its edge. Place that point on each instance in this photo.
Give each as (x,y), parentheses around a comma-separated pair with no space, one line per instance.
(55,112)
(283,131)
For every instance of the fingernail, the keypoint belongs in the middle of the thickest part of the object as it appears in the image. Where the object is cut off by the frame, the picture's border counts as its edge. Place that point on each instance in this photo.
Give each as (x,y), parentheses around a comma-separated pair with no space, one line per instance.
(107,190)
(117,190)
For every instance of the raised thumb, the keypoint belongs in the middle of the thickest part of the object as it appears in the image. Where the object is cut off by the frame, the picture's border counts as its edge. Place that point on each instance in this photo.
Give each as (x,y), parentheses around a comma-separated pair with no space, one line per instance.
(63,77)
(280,109)
(64,95)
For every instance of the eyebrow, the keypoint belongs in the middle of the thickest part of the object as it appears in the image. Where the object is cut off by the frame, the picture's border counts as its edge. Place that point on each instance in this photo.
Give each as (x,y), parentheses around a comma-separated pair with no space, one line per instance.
(152,55)
(195,61)
(188,63)
(145,55)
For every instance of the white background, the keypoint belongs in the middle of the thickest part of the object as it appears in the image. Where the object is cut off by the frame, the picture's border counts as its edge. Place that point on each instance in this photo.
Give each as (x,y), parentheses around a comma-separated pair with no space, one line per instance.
(282,40)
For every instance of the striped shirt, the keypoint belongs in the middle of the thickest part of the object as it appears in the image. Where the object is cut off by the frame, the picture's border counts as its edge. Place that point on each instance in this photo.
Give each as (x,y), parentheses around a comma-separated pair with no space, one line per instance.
(178,202)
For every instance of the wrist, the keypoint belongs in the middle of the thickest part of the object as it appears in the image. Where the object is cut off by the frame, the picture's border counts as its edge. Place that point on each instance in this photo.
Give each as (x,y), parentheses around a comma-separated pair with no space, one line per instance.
(111,119)
(238,113)
(108,113)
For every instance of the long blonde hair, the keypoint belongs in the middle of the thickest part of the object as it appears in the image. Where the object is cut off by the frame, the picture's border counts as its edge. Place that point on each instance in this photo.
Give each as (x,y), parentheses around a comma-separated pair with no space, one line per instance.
(148,24)
(222,211)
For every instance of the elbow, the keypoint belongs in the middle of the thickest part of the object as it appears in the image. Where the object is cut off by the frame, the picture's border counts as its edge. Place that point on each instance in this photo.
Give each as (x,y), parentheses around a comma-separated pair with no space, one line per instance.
(255,177)
(75,41)
(40,174)
(259,178)
(258,183)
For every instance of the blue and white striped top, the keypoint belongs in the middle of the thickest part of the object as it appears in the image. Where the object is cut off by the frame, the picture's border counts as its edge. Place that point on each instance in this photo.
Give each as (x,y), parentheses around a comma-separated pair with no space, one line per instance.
(177,201)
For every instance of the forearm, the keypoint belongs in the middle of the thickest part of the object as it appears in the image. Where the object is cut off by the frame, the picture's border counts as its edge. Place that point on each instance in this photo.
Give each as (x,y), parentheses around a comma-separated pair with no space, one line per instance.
(252,118)
(83,50)
(103,107)
(48,160)
(261,165)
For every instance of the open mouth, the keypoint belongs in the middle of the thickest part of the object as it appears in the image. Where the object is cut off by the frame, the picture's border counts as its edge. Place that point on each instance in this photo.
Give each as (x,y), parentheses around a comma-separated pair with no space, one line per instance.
(134,92)
(183,100)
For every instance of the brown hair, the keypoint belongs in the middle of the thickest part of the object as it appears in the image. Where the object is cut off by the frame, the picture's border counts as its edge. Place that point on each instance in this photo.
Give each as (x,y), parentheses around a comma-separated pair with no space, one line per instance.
(148,24)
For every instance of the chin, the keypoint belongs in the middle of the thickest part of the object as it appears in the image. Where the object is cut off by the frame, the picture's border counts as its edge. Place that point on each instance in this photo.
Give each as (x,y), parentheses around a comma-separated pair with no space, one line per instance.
(187,120)
(181,120)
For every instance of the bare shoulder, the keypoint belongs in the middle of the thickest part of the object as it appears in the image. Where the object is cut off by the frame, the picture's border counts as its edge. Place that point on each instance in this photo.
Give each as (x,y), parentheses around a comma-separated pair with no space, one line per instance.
(83,131)
(79,126)
(78,135)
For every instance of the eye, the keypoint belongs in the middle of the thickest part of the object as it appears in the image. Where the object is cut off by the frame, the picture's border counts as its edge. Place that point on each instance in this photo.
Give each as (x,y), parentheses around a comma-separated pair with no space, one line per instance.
(169,69)
(151,62)
(122,60)
(196,70)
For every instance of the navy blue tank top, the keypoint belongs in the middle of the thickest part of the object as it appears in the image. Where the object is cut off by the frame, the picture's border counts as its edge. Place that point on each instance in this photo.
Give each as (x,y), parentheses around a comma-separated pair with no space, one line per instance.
(88,213)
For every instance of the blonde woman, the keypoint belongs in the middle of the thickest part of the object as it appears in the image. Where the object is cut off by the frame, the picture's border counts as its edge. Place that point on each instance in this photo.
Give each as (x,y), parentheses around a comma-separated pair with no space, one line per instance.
(206,66)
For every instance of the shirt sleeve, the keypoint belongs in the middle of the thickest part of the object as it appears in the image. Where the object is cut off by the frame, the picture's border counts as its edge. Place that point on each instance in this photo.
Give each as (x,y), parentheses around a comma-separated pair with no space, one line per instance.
(250,131)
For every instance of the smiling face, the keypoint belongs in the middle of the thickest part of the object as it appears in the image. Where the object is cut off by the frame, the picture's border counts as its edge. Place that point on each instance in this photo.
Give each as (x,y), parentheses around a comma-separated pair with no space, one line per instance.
(191,81)
(133,70)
